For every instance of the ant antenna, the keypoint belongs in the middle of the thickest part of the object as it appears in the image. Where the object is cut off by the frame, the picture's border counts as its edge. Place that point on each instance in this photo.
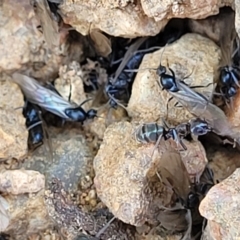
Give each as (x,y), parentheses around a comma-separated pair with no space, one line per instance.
(87,100)
(17,108)
(137,70)
(102,230)
(162,54)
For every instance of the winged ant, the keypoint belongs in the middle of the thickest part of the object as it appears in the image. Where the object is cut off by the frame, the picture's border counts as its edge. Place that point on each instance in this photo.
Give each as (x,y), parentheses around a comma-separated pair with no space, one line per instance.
(52,101)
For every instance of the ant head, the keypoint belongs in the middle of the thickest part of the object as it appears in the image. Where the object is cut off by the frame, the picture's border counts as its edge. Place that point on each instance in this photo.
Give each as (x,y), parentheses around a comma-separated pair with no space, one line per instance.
(92,113)
(161,70)
(232,91)
(225,76)
(199,127)
(192,200)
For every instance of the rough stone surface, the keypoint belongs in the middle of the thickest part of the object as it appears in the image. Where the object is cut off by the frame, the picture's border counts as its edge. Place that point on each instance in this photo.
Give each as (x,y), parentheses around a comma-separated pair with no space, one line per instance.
(112,17)
(172,9)
(28,214)
(21,181)
(106,117)
(185,58)
(233,114)
(22,44)
(124,166)
(237,16)
(13,133)
(220,206)
(223,161)
(70,81)
(135,18)
(69,160)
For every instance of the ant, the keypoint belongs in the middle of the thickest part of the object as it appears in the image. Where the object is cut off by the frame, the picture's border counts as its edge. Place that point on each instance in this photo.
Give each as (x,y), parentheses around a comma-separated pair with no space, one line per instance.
(153,132)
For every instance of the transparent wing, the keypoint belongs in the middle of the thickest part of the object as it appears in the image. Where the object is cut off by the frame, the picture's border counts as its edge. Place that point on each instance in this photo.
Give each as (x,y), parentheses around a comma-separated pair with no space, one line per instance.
(41,96)
(130,52)
(49,26)
(173,170)
(199,106)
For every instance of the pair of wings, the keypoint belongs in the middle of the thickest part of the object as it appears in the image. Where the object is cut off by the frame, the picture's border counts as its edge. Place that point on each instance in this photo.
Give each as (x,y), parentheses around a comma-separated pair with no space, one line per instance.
(41,96)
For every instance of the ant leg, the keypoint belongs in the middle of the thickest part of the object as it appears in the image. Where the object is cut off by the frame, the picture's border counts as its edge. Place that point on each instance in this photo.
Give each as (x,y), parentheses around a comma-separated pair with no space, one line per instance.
(115,100)
(156,145)
(173,74)
(178,140)
(189,74)
(177,105)
(234,78)
(102,230)
(87,100)
(39,28)
(171,98)
(183,145)
(46,136)
(188,217)
(34,125)
(70,92)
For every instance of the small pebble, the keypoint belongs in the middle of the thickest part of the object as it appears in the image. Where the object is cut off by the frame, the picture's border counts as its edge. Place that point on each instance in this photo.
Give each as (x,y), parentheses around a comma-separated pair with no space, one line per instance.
(93,202)
(92,194)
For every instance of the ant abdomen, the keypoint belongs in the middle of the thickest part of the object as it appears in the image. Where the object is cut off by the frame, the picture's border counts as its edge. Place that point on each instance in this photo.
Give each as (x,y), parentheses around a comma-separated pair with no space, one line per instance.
(149,133)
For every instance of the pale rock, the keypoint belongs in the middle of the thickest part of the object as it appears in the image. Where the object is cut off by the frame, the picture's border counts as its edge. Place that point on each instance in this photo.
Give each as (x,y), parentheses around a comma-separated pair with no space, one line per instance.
(160,10)
(148,101)
(22,44)
(237,16)
(116,18)
(106,116)
(135,18)
(233,113)
(221,207)
(27,214)
(13,133)
(126,178)
(70,82)
(224,161)
(212,231)
(21,181)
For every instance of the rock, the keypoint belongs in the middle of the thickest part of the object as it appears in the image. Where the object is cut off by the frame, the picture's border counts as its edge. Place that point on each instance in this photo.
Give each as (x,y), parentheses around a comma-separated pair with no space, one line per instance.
(126,178)
(184,57)
(158,237)
(237,16)
(106,117)
(133,19)
(170,9)
(112,17)
(13,133)
(71,157)
(220,206)
(27,214)
(223,161)
(70,81)
(212,228)
(21,181)
(233,113)
(22,44)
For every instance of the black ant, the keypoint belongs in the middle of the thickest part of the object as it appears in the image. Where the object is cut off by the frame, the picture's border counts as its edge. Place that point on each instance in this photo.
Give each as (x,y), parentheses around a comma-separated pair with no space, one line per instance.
(33,124)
